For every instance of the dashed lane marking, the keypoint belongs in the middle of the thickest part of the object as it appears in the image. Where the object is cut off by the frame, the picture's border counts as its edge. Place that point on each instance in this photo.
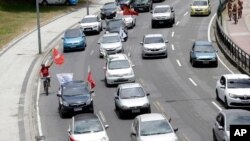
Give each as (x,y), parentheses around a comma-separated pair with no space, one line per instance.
(177,23)
(216,105)
(172,47)
(172,34)
(102,116)
(178,62)
(185,13)
(190,79)
(92,52)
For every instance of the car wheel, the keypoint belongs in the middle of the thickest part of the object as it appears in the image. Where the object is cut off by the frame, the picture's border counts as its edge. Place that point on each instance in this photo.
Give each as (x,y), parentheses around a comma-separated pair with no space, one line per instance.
(193,63)
(226,103)
(61,113)
(102,17)
(121,114)
(106,83)
(126,38)
(217,95)
(67,2)
(44,3)
(215,64)
(91,109)
(214,137)
(149,110)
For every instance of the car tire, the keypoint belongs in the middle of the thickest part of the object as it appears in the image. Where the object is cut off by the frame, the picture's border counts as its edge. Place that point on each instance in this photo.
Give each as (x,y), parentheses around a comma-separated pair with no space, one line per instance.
(106,83)
(44,3)
(61,113)
(153,24)
(217,95)
(193,63)
(214,137)
(121,114)
(225,103)
(215,64)
(149,110)
(125,39)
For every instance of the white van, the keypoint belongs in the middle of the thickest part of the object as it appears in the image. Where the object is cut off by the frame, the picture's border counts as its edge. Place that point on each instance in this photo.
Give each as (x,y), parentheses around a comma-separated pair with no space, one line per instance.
(67,2)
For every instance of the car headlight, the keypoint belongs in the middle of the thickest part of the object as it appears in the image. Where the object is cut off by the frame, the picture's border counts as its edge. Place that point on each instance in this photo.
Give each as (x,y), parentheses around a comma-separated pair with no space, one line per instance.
(233,95)
(109,74)
(146,49)
(65,103)
(131,73)
(104,139)
(124,107)
(163,48)
(119,47)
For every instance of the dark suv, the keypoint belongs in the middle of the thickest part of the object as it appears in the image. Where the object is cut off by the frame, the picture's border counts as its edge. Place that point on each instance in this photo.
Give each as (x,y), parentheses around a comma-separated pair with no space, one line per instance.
(75,96)
(108,10)
(142,5)
(117,26)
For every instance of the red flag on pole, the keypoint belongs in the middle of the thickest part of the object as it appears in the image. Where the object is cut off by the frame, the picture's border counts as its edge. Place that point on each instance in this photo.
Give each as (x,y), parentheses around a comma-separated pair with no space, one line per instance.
(128,11)
(90,79)
(57,57)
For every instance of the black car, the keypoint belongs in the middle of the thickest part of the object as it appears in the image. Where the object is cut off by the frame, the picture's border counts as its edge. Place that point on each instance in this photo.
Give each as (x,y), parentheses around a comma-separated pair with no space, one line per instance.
(203,52)
(75,96)
(108,10)
(117,26)
(142,5)
(123,3)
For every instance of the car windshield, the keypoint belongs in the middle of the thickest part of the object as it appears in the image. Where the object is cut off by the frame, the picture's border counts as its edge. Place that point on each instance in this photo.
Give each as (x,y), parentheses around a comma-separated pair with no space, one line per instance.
(72,34)
(237,120)
(200,3)
(87,126)
(89,20)
(72,90)
(207,48)
(110,39)
(162,10)
(141,1)
(127,93)
(123,0)
(115,24)
(238,83)
(119,64)
(150,40)
(155,127)
(109,6)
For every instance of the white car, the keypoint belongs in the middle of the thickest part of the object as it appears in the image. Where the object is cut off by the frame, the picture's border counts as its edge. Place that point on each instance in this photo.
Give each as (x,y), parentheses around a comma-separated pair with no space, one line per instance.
(234,90)
(129,20)
(91,23)
(118,69)
(152,127)
(87,127)
(154,45)
(131,98)
(163,14)
(110,43)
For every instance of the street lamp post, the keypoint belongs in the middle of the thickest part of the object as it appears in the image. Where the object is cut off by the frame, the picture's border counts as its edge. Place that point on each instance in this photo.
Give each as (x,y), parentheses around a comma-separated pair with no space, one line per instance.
(87,7)
(38,27)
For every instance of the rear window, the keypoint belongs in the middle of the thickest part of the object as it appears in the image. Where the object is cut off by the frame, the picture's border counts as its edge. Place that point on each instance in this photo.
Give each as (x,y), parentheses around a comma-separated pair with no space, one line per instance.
(162,9)
(72,33)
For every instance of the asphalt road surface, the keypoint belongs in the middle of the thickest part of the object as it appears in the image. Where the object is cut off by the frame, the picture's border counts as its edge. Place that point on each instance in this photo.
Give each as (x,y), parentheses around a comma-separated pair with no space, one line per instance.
(184,93)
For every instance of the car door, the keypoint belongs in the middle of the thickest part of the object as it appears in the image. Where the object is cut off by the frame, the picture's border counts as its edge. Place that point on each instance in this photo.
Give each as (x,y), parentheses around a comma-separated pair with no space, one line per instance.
(117,99)
(221,86)
(219,127)
(192,52)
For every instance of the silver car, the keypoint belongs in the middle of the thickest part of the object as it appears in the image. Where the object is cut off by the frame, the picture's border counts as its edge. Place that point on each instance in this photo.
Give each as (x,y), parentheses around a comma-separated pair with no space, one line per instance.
(163,14)
(154,45)
(119,69)
(225,118)
(91,23)
(129,20)
(152,127)
(110,43)
(131,98)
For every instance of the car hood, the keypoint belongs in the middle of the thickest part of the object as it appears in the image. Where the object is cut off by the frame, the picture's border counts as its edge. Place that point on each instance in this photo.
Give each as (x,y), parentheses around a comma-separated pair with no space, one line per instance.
(127,18)
(108,10)
(113,30)
(90,136)
(241,91)
(89,24)
(167,14)
(73,40)
(77,99)
(155,46)
(111,45)
(134,101)
(163,137)
(199,7)
(121,71)
(204,55)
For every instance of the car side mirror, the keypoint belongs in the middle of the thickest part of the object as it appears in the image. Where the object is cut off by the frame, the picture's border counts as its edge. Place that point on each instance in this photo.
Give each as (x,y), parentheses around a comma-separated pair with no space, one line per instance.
(151,11)
(133,134)
(133,65)
(106,126)
(116,97)
(148,94)
(69,131)
(223,87)
(169,120)
(62,38)
(92,91)
(141,43)
(103,27)
(166,41)
(104,68)
(59,95)
(172,9)
(220,127)
(176,129)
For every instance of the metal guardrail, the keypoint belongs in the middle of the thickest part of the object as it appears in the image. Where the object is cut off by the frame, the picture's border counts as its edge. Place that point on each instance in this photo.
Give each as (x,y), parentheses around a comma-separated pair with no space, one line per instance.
(229,48)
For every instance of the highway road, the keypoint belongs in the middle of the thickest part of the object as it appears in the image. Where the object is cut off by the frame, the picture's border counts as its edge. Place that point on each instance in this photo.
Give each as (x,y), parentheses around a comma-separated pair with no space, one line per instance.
(184,93)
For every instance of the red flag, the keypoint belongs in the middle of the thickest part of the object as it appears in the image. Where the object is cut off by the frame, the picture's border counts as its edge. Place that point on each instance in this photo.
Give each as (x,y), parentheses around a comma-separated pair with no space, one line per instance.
(127,11)
(71,138)
(57,57)
(90,79)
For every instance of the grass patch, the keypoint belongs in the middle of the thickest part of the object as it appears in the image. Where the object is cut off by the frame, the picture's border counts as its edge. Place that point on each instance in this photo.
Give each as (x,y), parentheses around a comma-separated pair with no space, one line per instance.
(17,18)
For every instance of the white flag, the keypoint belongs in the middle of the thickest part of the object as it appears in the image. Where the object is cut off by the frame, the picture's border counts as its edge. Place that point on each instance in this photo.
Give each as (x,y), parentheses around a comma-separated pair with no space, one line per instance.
(64,77)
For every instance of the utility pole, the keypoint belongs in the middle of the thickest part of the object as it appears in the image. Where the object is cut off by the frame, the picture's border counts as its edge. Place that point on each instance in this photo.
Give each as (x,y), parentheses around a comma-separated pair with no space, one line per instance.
(38,27)
(87,7)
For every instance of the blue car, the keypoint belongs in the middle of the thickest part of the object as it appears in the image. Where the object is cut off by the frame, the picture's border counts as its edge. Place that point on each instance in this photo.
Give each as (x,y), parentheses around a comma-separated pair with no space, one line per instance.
(74,39)
(203,52)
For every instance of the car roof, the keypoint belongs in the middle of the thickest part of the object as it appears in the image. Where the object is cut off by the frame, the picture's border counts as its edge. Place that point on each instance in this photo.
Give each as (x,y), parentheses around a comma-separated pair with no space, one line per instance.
(151,117)
(236,76)
(119,56)
(202,43)
(153,35)
(111,34)
(129,85)
(107,3)
(233,112)
(75,82)
(90,16)
(85,116)
(160,6)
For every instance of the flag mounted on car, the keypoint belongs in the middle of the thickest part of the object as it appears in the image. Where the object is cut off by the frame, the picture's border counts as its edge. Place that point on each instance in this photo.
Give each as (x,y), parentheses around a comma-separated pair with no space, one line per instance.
(90,79)
(58,57)
(128,11)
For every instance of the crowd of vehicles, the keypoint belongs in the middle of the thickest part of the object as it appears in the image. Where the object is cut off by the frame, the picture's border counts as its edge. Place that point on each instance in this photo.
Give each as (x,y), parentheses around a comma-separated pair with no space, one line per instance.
(130,97)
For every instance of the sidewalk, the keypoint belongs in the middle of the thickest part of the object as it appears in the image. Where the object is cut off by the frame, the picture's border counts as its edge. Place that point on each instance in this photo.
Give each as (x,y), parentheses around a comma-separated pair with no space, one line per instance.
(19,70)
(240,32)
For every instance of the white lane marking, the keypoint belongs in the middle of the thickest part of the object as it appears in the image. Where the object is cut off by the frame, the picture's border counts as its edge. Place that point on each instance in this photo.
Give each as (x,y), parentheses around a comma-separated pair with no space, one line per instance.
(178,62)
(172,47)
(216,105)
(177,23)
(190,79)
(156,106)
(185,13)
(129,54)
(209,39)
(172,34)
(40,132)
(102,116)
(92,52)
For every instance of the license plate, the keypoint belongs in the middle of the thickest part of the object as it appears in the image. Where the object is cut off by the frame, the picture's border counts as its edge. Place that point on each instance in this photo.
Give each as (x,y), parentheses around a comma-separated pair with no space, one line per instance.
(77,109)
(161,22)
(136,111)
(141,9)
(88,29)
(205,62)
(245,101)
